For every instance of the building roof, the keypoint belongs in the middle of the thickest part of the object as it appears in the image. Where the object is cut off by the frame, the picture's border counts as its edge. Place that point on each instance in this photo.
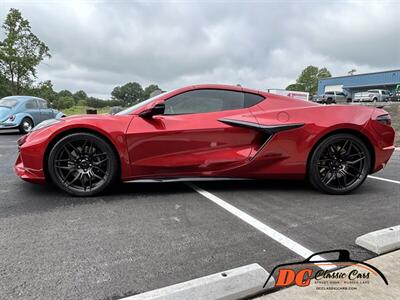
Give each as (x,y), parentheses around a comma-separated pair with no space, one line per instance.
(362,74)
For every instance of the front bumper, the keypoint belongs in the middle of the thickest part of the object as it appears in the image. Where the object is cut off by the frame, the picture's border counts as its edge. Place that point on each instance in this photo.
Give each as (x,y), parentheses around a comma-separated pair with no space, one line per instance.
(8,125)
(28,174)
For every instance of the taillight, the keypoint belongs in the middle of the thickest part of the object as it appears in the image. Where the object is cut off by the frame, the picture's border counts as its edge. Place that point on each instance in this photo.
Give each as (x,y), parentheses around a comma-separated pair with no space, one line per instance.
(384,119)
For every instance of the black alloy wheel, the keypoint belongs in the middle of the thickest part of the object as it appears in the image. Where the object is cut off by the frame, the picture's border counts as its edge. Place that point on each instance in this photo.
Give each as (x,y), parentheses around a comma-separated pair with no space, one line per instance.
(339,164)
(82,164)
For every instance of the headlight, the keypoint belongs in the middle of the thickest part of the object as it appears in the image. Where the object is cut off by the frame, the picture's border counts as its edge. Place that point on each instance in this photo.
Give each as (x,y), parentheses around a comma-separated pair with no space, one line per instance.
(46,123)
(12,118)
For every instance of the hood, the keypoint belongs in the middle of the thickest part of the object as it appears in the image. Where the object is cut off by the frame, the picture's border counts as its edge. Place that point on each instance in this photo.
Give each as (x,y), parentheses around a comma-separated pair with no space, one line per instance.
(5,112)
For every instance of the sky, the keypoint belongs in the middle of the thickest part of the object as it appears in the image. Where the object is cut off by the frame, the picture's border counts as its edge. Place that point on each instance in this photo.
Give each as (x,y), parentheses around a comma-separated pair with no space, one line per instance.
(97,45)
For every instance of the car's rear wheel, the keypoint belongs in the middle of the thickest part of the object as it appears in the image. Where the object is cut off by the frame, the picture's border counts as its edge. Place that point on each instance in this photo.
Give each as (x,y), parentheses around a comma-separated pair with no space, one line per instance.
(26,125)
(82,164)
(339,164)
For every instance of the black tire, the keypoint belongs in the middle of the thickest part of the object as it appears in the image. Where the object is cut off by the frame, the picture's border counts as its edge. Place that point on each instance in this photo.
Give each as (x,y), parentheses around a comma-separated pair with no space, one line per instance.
(329,101)
(26,125)
(339,164)
(82,164)
(375,100)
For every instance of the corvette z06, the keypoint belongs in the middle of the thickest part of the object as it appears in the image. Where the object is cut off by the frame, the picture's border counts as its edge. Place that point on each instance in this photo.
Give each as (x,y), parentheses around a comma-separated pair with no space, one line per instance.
(210,131)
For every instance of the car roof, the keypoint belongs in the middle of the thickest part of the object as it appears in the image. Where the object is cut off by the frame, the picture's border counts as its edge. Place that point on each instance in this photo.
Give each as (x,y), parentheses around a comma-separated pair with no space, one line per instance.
(22,98)
(226,87)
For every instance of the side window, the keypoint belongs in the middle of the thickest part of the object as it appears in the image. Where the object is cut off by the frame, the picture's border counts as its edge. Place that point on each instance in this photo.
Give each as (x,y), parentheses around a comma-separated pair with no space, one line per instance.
(42,104)
(202,101)
(252,99)
(31,104)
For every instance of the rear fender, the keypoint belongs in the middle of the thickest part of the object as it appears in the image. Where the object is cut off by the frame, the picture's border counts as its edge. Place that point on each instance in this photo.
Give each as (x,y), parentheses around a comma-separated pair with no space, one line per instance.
(20,116)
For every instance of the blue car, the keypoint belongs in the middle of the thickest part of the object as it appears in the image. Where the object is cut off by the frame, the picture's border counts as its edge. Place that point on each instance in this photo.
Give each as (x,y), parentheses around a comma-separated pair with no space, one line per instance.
(25,112)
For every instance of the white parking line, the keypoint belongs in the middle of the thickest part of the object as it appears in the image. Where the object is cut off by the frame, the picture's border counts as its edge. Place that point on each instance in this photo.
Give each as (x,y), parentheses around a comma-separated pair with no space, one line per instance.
(384,179)
(272,233)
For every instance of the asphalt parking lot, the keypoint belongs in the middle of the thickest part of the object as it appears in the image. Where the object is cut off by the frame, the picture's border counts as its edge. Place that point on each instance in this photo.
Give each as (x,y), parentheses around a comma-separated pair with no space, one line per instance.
(143,236)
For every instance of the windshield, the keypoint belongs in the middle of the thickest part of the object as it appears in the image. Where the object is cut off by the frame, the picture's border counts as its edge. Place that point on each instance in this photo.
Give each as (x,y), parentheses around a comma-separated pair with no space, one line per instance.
(8,102)
(128,110)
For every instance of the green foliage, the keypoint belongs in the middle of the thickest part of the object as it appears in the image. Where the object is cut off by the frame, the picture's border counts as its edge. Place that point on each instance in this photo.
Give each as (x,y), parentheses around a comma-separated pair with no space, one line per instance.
(21,51)
(130,93)
(80,110)
(44,90)
(81,103)
(4,86)
(308,80)
(148,90)
(64,102)
(80,95)
(98,103)
(65,93)
(295,87)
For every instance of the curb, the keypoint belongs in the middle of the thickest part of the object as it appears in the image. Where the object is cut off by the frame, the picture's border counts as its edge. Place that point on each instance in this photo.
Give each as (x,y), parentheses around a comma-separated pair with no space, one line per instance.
(232,284)
(381,241)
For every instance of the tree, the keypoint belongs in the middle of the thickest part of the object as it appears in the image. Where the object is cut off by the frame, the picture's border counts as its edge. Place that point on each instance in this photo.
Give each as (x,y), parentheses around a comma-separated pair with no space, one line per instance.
(4,86)
(295,87)
(21,51)
(65,93)
(44,90)
(80,95)
(130,93)
(64,102)
(148,90)
(308,79)
(81,102)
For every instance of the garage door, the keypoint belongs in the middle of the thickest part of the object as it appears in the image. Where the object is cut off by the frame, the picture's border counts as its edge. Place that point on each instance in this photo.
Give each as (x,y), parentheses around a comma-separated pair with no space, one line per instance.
(334,88)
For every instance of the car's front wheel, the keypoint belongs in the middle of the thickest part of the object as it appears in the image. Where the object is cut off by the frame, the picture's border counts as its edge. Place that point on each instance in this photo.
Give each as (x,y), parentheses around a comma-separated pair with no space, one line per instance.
(339,164)
(82,164)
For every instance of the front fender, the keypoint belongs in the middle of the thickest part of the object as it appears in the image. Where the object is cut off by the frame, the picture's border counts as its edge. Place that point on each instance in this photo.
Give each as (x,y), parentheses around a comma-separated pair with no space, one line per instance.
(59,115)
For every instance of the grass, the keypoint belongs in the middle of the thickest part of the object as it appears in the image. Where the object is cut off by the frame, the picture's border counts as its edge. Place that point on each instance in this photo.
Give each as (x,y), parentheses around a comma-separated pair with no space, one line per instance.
(81,110)
(393,109)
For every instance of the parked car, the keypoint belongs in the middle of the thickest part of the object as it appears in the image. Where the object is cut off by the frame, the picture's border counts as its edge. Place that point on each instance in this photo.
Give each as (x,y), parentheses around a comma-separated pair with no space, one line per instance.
(372,96)
(317,99)
(335,97)
(25,112)
(210,131)
(396,93)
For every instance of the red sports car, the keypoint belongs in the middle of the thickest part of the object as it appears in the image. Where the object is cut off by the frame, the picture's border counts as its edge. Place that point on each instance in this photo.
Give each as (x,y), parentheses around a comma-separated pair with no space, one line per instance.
(210,131)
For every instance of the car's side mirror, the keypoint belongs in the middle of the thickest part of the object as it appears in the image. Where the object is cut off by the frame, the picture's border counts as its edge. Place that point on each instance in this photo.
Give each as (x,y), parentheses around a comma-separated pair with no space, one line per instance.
(157,109)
